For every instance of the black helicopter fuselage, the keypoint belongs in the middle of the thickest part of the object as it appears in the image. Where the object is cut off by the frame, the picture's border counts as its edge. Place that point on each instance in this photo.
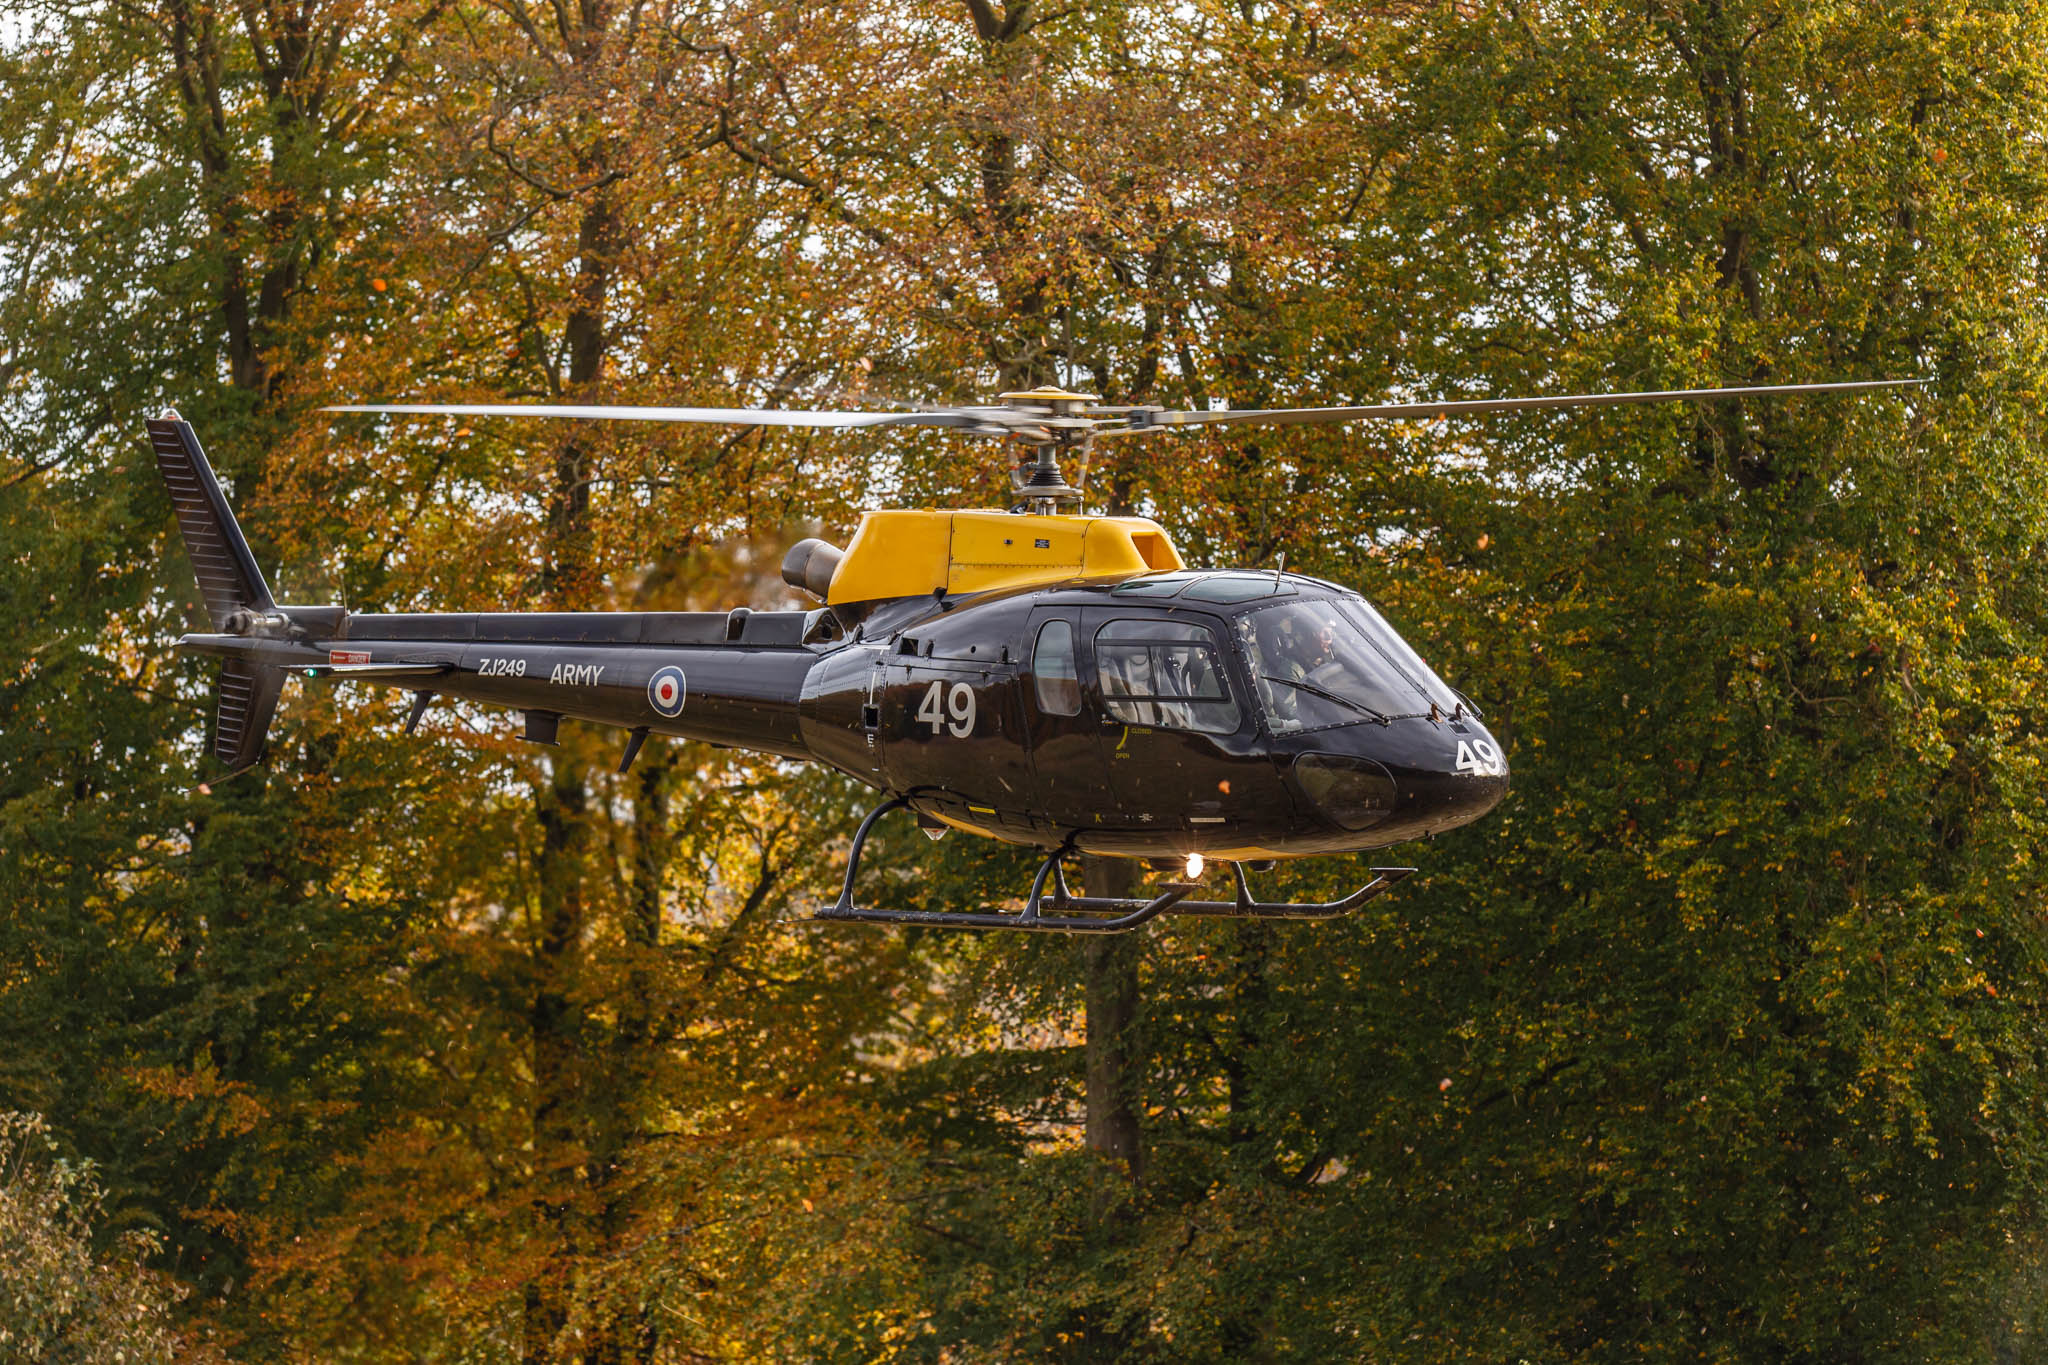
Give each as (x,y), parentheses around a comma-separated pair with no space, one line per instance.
(946,702)
(1057,681)
(1040,676)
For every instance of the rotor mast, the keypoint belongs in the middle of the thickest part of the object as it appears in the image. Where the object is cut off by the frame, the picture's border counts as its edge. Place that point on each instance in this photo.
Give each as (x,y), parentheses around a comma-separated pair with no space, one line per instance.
(1063,429)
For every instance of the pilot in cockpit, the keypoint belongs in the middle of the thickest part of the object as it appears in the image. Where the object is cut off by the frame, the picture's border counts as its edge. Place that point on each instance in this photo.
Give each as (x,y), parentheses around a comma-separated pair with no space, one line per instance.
(1298,651)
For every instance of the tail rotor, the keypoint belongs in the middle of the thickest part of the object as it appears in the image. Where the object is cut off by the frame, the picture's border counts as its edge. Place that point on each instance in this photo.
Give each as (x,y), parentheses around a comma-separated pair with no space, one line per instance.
(237,599)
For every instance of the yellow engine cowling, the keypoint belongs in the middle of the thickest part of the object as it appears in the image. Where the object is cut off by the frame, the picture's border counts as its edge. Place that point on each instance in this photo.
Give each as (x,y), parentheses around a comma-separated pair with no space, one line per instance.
(916,553)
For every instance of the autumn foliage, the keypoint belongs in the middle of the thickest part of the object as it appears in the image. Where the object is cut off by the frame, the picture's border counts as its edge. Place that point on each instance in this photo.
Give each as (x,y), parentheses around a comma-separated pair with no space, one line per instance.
(1718,1041)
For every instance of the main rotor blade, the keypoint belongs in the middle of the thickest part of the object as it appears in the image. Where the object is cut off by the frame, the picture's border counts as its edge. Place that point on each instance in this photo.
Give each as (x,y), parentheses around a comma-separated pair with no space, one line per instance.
(1295,416)
(755,417)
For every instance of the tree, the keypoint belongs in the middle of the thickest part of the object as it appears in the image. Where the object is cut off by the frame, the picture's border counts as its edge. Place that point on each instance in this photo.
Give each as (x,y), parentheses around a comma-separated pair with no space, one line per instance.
(1714,1040)
(69,1292)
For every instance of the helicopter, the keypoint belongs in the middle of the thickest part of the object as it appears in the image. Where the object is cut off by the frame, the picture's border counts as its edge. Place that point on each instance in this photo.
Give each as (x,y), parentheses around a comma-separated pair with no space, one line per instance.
(1035,675)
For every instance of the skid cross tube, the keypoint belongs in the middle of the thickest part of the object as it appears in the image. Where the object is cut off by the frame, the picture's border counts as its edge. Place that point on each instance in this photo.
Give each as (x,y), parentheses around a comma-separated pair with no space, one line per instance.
(1030,918)
(1246,906)
(1096,914)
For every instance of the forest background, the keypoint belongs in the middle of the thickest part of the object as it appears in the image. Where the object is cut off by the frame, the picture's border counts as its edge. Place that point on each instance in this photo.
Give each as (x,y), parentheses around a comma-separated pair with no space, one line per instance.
(1721,1040)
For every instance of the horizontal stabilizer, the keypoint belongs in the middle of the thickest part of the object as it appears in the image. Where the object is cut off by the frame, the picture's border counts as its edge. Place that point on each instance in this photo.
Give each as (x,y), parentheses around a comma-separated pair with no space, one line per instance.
(375,672)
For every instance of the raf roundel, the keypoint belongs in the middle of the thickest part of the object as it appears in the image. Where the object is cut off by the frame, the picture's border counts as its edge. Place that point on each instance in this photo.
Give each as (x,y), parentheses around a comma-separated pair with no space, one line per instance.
(667,689)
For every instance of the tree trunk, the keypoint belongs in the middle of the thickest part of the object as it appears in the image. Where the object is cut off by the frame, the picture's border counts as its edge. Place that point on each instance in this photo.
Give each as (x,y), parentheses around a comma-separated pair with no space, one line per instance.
(563,1129)
(556,1022)
(1115,1057)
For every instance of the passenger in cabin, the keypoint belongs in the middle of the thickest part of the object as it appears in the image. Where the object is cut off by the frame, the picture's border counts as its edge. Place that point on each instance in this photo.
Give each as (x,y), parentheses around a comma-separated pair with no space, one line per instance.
(1188,674)
(1128,673)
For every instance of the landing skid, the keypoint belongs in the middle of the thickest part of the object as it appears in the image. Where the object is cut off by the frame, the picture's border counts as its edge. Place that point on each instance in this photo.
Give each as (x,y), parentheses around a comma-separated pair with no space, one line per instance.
(1059,911)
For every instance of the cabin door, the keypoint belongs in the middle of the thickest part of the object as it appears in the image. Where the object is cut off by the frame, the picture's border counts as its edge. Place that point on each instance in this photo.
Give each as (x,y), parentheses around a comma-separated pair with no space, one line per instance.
(1064,724)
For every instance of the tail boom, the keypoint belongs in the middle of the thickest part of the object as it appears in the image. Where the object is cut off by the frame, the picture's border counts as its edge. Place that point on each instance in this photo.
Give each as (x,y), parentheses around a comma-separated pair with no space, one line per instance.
(733,678)
(730,693)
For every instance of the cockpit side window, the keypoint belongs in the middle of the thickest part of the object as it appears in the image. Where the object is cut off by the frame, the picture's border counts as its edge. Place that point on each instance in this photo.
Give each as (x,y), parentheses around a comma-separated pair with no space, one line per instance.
(1053,675)
(1164,673)
(1316,667)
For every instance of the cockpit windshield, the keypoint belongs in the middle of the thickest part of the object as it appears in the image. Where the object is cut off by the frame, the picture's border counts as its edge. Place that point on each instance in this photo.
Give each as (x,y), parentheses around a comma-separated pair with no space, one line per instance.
(1318,664)
(1405,659)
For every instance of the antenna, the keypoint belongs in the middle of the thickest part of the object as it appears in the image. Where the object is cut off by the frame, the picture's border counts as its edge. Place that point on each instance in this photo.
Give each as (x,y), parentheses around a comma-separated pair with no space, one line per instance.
(1279,568)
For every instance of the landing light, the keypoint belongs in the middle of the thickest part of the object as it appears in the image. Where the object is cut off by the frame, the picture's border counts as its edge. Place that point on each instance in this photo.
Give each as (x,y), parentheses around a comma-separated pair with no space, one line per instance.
(1194,866)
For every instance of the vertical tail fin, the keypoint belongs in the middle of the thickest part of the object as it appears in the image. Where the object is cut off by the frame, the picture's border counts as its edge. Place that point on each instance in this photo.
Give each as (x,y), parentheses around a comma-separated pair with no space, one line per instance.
(228,577)
(229,581)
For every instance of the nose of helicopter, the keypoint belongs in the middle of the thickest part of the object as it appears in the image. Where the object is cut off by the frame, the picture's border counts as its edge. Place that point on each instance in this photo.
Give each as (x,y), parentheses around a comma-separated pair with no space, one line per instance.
(1468,777)
(1413,778)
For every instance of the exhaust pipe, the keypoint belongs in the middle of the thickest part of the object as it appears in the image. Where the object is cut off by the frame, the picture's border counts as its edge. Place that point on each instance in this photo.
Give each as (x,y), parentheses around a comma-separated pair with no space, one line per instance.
(810,564)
